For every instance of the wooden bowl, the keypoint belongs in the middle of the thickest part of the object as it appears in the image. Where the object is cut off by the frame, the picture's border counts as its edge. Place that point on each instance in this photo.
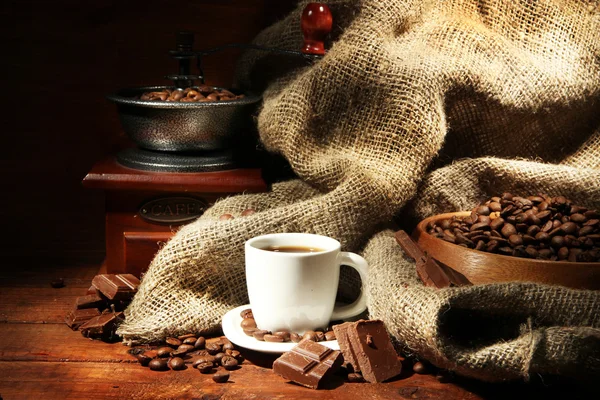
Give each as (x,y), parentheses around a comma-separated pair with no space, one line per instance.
(480,267)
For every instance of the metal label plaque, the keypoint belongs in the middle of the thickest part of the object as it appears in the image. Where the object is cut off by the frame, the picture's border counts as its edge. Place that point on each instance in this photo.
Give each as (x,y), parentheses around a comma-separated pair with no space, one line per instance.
(172,209)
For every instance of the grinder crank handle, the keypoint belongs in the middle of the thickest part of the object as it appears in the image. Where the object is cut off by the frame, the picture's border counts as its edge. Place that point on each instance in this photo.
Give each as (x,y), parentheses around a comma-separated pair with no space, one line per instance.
(316,24)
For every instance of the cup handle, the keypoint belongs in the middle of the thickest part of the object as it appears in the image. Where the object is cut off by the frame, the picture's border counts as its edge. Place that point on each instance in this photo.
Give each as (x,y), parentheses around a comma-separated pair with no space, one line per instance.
(360,304)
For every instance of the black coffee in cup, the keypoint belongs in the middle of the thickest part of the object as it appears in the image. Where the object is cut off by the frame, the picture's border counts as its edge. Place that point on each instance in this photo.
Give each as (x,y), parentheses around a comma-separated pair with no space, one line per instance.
(292,249)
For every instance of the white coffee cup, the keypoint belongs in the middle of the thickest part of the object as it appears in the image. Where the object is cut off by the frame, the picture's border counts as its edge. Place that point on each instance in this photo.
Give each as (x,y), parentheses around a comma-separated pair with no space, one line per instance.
(296,291)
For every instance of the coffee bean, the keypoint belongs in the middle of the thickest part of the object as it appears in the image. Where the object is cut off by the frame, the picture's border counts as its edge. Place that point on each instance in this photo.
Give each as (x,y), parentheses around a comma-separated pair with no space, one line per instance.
(482,210)
(173,342)
(355,377)
(221,377)
(563,253)
(260,334)
(497,224)
(294,337)
(483,226)
(495,206)
(531,252)
(183,349)
(578,218)
(508,229)
(320,336)
(247,313)
(204,359)
(200,343)
(191,340)
(250,331)
(419,368)
(569,227)
(229,362)
(158,365)
(164,352)
(225,217)
(248,323)
(144,359)
(188,335)
(176,364)
(309,335)
(205,367)
(247,212)
(506,196)
(557,242)
(285,335)
(213,348)
(330,335)
(228,346)
(515,240)
(273,338)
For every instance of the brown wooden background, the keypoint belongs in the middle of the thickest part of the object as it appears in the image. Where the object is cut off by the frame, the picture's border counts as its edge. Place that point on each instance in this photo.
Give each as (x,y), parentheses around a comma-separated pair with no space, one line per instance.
(60,58)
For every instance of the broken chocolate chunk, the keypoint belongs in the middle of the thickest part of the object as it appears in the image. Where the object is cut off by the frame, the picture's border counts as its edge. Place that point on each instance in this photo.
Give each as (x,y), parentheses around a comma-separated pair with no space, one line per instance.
(75,318)
(375,355)
(341,333)
(103,326)
(116,287)
(308,363)
(90,301)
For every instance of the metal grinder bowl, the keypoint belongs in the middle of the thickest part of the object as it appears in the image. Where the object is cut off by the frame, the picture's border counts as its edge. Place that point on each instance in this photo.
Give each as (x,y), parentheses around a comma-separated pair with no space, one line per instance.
(184,127)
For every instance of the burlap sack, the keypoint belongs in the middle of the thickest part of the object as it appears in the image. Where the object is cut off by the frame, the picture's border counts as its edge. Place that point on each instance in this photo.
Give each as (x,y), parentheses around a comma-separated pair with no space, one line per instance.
(434,105)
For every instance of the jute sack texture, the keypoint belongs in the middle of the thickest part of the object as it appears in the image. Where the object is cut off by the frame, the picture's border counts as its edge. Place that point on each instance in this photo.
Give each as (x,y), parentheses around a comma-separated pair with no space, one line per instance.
(419,107)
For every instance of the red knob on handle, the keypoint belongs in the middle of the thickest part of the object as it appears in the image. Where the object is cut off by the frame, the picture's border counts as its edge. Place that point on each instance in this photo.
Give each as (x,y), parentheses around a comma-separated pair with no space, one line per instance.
(316,25)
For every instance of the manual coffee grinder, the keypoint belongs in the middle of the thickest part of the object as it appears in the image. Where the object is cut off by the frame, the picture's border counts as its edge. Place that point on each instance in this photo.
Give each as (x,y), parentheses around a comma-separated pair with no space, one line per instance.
(188,155)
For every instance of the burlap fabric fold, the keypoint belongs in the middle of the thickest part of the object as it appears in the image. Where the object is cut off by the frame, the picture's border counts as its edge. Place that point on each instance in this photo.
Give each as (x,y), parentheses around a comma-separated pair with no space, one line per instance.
(419,107)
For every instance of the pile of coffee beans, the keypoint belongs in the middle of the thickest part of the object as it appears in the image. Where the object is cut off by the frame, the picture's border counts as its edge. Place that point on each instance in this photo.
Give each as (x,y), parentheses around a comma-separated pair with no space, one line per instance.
(175,353)
(199,94)
(537,227)
(249,327)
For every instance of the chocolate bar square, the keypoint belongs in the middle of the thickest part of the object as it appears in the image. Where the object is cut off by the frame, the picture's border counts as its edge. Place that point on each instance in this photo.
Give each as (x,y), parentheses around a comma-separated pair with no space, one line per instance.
(116,287)
(75,318)
(341,334)
(90,301)
(375,355)
(308,363)
(103,326)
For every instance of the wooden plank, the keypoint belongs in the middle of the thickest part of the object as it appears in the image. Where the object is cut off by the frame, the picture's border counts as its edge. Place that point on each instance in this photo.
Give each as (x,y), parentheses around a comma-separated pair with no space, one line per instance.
(43,275)
(39,305)
(88,380)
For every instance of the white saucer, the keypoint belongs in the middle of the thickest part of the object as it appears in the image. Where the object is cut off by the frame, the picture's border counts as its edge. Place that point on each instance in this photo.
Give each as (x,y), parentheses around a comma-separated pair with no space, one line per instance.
(234,332)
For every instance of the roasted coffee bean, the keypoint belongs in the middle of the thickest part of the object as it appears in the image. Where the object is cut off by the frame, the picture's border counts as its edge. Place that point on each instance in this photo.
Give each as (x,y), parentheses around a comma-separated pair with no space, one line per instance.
(248,323)
(557,242)
(294,337)
(542,236)
(531,252)
(247,313)
(183,337)
(247,212)
(204,359)
(158,365)
(273,338)
(144,359)
(508,229)
(481,226)
(419,368)
(205,367)
(183,349)
(309,335)
(173,342)
(164,352)
(330,335)
(190,340)
(355,377)
(515,240)
(320,336)
(497,224)
(569,227)
(495,206)
(285,335)
(225,217)
(228,346)
(482,210)
(260,334)
(586,230)
(250,331)
(200,343)
(213,348)
(221,377)
(176,364)
(229,363)
(578,218)
(218,357)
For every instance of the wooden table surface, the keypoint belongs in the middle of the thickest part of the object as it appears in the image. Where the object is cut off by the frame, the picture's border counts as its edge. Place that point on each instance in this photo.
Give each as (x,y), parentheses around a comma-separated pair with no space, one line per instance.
(41,358)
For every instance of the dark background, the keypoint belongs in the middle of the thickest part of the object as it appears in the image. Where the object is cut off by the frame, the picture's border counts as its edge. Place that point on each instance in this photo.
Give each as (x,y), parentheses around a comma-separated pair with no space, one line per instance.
(60,59)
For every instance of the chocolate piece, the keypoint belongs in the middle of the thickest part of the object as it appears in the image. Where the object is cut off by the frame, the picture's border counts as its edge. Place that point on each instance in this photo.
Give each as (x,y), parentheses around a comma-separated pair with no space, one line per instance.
(341,333)
(376,357)
(308,363)
(116,287)
(102,327)
(75,318)
(90,301)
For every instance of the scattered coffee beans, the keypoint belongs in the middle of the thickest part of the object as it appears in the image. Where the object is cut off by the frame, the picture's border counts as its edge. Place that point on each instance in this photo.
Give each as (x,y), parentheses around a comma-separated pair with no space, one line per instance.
(229,362)
(213,348)
(199,94)
(538,227)
(158,365)
(177,364)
